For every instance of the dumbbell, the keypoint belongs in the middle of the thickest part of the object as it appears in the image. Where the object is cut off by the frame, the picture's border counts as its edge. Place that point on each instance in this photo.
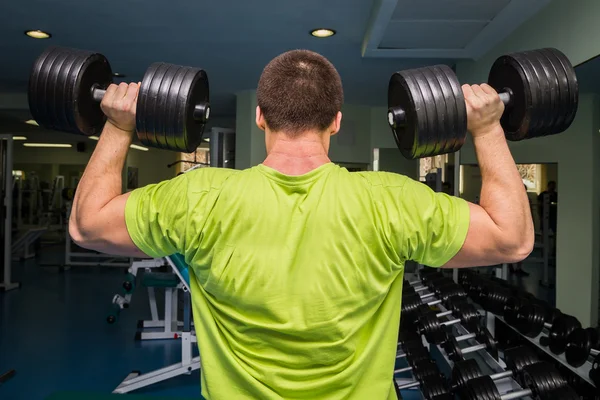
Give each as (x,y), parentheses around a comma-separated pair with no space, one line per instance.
(428,115)
(429,325)
(466,370)
(482,336)
(559,332)
(67,85)
(433,387)
(542,380)
(581,343)
(456,353)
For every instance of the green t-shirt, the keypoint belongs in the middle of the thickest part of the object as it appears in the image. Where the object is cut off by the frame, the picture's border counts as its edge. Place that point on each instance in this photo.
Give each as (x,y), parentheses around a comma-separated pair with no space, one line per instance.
(296,281)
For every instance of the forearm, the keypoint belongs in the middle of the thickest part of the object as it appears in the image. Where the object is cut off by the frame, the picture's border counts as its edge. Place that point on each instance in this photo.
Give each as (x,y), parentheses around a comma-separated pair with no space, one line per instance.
(502,193)
(101,182)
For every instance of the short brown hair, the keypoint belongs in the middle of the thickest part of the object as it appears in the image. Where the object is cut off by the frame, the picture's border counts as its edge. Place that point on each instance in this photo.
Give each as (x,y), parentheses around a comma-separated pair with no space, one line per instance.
(299,90)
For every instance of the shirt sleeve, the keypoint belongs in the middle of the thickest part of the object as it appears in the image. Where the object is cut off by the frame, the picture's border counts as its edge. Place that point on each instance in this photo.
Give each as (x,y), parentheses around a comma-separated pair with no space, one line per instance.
(156,217)
(427,227)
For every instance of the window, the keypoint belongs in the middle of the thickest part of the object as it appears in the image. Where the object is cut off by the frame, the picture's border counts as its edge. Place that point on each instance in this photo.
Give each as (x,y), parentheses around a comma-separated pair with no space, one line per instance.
(201,158)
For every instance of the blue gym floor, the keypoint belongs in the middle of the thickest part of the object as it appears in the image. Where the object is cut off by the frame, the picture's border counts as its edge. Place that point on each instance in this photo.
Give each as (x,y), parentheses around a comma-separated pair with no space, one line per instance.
(53,332)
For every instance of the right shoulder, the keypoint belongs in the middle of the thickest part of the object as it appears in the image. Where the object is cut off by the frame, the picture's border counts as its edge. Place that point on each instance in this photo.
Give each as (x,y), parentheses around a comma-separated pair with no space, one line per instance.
(384,179)
(208,178)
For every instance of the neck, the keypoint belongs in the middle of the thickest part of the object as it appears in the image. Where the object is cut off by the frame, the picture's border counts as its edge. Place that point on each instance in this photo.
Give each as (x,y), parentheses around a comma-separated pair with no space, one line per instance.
(297,156)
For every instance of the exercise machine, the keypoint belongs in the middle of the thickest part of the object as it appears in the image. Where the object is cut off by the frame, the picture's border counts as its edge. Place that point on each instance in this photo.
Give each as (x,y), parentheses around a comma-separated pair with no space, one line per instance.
(135,380)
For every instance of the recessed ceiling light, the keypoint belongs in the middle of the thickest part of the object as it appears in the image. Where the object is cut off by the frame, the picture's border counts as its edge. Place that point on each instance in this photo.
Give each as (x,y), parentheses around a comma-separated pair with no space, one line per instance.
(322,32)
(31,122)
(37,34)
(47,145)
(206,139)
(94,137)
(118,75)
(19,137)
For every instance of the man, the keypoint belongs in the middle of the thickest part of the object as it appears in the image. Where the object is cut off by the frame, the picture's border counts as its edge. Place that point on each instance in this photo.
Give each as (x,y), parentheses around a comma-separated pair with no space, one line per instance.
(552,195)
(297,264)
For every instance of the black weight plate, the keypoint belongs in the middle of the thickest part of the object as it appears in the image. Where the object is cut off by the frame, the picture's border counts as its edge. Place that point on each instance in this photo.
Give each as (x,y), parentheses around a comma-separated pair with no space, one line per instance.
(424,368)
(53,92)
(44,117)
(563,393)
(560,331)
(428,134)
(564,95)
(536,106)
(439,115)
(463,372)
(481,388)
(529,319)
(573,86)
(403,93)
(542,378)
(33,97)
(89,117)
(579,344)
(194,90)
(594,373)
(433,386)
(143,104)
(64,90)
(461,106)
(450,110)
(507,72)
(548,70)
(453,349)
(161,111)
(148,97)
(171,106)
(543,109)
(72,62)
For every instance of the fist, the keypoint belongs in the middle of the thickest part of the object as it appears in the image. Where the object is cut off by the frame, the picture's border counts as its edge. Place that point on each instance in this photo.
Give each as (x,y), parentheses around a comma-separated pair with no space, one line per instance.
(484,108)
(118,104)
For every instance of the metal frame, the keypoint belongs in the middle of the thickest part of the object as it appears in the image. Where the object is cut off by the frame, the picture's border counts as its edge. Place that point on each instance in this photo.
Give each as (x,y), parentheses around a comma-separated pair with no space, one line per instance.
(135,380)
(21,248)
(7,284)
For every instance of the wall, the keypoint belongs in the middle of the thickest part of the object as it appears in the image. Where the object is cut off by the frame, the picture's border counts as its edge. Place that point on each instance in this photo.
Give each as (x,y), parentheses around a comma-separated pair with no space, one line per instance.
(564,25)
(152,165)
(352,142)
(381,133)
(391,160)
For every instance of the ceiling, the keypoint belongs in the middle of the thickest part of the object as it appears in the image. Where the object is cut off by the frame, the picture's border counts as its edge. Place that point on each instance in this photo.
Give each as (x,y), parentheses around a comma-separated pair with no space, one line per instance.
(233,39)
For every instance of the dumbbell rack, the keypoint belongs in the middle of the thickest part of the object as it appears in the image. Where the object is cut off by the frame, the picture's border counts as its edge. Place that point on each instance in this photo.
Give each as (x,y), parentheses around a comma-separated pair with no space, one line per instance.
(486,362)
(583,371)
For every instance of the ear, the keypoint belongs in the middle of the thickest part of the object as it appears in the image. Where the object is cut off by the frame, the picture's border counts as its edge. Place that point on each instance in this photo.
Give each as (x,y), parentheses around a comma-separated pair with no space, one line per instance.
(337,123)
(260,119)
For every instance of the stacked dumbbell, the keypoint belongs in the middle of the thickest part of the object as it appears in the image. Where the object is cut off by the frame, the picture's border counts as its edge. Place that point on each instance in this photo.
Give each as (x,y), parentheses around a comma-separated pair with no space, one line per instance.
(424,370)
(423,320)
(541,379)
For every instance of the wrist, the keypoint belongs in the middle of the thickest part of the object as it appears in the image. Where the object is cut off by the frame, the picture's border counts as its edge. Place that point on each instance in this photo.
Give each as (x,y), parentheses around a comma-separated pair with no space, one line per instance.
(114,130)
(489,131)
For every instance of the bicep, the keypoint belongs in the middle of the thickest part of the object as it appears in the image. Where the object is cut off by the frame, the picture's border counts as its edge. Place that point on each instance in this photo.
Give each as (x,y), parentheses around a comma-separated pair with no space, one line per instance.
(480,247)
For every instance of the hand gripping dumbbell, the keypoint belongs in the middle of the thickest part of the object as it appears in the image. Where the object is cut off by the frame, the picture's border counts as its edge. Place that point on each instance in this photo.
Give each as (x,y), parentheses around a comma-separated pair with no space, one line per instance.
(466,370)
(67,85)
(428,114)
(541,379)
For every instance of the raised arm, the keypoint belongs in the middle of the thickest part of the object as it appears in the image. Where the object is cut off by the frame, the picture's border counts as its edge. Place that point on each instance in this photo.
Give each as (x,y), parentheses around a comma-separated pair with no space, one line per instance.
(501,227)
(97,218)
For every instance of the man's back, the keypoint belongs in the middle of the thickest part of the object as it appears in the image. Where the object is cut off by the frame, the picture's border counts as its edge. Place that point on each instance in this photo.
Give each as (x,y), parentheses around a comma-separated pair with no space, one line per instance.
(298,279)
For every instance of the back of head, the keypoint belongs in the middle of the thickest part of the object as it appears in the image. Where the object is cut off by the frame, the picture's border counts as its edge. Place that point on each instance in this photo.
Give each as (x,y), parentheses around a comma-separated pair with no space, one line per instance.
(299,91)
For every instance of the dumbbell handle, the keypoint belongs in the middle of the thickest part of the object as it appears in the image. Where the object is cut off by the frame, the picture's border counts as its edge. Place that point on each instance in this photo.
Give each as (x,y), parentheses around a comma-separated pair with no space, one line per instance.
(506,96)
(398,115)
(501,375)
(594,352)
(409,385)
(199,111)
(458,339)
